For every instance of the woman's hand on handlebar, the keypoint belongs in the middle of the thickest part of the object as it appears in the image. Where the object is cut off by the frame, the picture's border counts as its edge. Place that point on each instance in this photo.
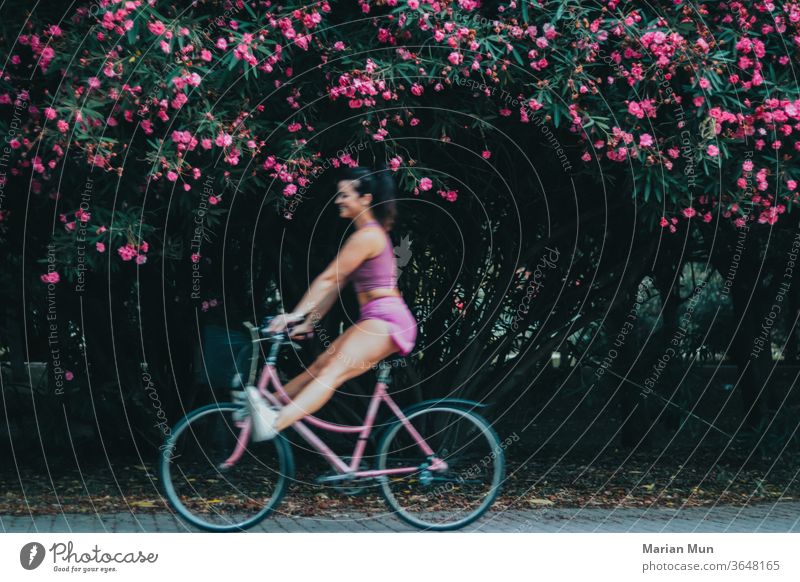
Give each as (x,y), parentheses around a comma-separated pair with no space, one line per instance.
(301,331)
(280,322)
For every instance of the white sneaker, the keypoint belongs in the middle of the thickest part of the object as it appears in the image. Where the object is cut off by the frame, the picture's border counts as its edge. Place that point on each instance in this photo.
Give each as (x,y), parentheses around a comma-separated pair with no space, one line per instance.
(262,414)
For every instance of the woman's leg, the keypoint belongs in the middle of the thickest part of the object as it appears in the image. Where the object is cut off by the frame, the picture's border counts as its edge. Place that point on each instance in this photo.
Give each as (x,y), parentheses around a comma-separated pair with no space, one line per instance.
(296,384)
(354,352)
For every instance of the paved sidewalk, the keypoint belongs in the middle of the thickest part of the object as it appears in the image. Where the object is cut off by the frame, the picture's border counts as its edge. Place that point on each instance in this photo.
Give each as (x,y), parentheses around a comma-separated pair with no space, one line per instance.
(782,517)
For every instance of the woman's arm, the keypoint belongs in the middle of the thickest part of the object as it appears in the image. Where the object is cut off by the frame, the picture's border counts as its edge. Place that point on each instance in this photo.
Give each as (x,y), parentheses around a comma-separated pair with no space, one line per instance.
(320,295)
(316,315)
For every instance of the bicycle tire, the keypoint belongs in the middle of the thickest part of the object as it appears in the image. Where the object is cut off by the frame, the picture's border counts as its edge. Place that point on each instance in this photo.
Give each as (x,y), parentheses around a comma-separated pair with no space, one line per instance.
(206,457)
(490,491)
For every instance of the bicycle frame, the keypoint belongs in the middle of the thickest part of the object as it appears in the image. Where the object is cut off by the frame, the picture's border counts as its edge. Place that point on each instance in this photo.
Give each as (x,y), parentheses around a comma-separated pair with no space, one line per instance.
(269,376)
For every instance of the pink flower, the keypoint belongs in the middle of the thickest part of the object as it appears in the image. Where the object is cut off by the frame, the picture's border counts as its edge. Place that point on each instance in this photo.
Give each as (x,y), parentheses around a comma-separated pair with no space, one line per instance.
(791,184)
(417,89)
(395,163)
(688,212)
(534,105)
(172,176)
(101,248)
(224,140)
(642,108)
(68,375)
(127,252)
(157,27)
(712,150)
(293,127)
(195,257)
(486,154)
(663,222)
(51,277)
(704,84)
(425,184)
(94,82)
(50,113)
(645,140)
(413,4)
(290,190)
(455,58)
(141,259)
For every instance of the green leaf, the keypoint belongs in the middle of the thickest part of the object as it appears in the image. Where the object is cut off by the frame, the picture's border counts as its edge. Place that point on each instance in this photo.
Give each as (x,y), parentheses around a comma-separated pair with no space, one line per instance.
(525,11)
(250,10)
(134,30)
(560,11)
(517,58)
(404,75)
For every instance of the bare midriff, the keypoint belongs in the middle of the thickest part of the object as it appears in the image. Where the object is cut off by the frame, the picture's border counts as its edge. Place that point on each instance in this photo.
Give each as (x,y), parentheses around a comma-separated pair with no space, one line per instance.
(365,297)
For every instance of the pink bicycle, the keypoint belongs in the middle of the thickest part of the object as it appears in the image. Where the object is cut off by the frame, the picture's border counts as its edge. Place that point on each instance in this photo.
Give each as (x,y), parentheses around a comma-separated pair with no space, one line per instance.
(438,464)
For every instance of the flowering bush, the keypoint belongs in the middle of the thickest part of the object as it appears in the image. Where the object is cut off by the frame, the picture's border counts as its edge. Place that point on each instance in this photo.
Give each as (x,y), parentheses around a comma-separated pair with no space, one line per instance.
(140,126)
(693,101)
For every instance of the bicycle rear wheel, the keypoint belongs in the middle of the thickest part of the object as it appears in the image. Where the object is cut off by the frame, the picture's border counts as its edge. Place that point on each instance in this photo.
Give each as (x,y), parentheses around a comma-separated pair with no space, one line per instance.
(449,499)
(215,477)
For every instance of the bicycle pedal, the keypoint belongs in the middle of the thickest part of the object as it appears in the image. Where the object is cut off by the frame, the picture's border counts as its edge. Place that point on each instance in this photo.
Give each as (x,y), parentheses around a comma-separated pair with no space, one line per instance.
(333,478)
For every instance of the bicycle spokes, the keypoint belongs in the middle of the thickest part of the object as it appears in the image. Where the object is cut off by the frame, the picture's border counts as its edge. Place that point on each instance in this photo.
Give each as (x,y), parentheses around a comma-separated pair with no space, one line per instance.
(215,476)
(456,484)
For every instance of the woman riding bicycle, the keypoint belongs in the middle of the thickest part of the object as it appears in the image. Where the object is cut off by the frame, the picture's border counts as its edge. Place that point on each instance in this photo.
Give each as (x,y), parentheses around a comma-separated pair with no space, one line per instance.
(385,323)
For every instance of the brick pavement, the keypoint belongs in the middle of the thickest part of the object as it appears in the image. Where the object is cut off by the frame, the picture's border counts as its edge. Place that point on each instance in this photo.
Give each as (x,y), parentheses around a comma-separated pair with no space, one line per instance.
(781,517)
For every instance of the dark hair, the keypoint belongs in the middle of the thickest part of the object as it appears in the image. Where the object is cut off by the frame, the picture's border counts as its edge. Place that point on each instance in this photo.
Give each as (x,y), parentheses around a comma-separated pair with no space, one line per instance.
(380,183)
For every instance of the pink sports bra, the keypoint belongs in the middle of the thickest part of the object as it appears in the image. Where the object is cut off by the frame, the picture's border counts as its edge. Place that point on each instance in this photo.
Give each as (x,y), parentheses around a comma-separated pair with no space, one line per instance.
(377,272)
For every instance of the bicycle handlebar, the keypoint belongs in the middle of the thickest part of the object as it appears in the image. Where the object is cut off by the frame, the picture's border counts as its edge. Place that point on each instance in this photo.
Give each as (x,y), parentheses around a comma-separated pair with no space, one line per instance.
(264,330)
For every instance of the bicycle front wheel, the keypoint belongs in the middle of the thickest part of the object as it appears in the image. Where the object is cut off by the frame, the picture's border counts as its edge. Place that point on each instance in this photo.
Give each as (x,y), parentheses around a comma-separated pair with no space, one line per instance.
(441,499)
(215,477)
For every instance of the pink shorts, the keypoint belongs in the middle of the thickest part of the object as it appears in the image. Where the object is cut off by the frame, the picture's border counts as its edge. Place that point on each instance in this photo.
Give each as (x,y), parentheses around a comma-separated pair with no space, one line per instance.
(392,309)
